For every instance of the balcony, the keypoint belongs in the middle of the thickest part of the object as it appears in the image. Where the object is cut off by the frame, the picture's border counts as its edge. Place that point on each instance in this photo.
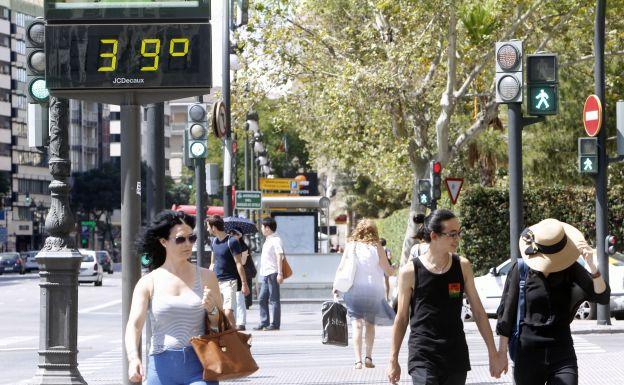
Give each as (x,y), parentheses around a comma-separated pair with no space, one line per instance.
(5,109)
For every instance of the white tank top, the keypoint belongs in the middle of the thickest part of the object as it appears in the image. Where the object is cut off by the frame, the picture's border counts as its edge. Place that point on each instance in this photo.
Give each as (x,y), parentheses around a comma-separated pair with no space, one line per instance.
(175,319)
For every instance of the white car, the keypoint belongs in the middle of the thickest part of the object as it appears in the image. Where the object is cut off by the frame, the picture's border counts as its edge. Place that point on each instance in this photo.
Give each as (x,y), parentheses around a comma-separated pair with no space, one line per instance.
(490,288)
(90,269)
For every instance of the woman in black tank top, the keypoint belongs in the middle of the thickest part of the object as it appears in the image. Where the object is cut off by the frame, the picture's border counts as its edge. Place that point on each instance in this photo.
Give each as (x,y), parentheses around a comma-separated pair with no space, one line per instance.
(431,289)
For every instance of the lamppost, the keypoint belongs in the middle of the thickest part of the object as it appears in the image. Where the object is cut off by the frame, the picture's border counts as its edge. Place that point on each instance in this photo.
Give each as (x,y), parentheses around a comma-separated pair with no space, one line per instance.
(32,207)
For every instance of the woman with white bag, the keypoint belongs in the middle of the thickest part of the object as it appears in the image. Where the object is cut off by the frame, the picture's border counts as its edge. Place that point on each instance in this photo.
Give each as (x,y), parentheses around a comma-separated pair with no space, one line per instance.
(360,279)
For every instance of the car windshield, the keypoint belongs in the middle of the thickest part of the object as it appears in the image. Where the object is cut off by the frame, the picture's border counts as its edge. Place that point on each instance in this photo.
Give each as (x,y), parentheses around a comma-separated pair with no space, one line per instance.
(100,254)
(87,258)
(8,257)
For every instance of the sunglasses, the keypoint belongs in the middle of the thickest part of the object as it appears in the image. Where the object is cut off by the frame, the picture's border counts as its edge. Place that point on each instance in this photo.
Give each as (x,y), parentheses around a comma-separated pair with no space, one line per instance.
(180,240)
(454,235)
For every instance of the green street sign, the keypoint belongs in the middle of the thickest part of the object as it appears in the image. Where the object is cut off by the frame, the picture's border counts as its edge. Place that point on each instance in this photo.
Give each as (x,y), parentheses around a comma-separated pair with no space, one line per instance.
(588,164)
(249,200)
(542,99)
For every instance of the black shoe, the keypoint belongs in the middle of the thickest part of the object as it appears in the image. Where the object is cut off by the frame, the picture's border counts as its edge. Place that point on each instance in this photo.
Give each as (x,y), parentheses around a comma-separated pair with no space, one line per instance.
(260,328)
(271,327)
(240,328)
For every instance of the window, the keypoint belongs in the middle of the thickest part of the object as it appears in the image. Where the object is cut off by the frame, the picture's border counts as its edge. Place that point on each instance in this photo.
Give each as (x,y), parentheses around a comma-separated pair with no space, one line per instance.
(5,68)
(5,14)
(5,40)
(5,149)
(33,186)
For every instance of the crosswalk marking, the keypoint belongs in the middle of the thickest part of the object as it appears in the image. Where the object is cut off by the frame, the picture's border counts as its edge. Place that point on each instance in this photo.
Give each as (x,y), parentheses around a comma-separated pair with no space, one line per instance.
(98,363)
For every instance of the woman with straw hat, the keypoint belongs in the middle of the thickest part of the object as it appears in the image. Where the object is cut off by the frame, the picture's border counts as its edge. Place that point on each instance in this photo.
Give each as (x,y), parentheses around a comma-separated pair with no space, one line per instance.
(544,353)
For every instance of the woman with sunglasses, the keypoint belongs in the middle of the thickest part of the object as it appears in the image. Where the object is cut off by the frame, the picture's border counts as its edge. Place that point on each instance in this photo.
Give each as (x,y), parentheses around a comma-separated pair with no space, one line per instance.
(176,295)
(431,290)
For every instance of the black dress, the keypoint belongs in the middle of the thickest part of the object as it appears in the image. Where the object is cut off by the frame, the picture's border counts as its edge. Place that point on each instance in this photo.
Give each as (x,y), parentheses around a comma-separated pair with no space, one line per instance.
(437,340)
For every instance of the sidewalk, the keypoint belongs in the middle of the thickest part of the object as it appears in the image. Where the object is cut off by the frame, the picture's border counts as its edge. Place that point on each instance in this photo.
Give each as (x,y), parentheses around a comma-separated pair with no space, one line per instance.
(577,327)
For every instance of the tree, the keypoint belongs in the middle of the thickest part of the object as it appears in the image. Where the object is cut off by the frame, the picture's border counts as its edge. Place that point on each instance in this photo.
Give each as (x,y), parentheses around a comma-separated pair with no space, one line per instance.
(383,87)
(95,193)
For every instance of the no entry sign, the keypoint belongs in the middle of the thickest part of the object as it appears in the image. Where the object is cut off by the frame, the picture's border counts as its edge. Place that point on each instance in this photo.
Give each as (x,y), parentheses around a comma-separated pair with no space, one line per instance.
(592,115)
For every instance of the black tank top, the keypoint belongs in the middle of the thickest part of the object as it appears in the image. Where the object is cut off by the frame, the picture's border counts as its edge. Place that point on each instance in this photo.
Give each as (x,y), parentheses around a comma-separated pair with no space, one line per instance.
(437,340)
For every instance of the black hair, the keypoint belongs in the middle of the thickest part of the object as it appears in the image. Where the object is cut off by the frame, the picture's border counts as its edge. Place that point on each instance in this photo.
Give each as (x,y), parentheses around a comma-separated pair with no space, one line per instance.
(270,223)
(382,241)
(432,223)
(149,244)
(217,222)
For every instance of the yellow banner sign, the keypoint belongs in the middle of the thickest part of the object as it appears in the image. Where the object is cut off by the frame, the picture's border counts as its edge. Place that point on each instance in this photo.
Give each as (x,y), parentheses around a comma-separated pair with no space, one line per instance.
(278,184)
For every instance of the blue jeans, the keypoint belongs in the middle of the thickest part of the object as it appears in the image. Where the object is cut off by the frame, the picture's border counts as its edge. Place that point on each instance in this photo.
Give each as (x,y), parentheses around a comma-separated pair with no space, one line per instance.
(176,367)
(270,294)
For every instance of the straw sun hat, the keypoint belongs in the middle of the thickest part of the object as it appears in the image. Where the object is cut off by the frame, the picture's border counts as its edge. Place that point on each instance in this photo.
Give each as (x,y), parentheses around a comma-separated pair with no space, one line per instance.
(550,245)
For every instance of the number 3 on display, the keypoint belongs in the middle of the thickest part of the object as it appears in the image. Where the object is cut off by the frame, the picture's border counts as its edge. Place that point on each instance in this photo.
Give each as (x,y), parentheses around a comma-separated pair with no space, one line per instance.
(150,48)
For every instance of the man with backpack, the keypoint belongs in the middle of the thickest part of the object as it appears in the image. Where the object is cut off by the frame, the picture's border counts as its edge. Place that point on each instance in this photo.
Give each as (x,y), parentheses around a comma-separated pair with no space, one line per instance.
(227,265)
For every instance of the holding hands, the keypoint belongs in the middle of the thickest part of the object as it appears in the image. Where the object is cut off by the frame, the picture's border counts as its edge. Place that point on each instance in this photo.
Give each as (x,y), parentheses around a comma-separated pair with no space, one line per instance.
(498,363)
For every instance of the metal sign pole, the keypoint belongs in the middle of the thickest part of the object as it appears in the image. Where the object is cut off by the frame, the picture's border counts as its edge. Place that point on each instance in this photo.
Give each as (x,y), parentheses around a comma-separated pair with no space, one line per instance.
(130,213)
(200,221)
(601,179)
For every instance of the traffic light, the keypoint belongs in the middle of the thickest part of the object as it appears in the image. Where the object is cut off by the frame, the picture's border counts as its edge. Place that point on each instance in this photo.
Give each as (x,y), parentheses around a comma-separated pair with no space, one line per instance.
(542,84)
(509,71)
(610,242)
(436,180)
(424,192)
(588,155)
(85,234)
(35,61)
(197,131)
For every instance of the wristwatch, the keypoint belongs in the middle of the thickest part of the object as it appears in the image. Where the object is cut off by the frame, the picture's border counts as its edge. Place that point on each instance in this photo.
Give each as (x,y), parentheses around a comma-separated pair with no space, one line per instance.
(596,274)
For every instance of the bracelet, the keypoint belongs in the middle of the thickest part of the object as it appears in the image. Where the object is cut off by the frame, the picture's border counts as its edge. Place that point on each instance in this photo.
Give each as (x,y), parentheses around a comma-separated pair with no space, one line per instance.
(214,310)
(596,274)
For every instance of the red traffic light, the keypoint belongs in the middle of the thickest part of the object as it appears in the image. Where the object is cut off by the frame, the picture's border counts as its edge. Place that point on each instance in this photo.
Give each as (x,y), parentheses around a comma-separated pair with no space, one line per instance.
(437,167)
(611,239)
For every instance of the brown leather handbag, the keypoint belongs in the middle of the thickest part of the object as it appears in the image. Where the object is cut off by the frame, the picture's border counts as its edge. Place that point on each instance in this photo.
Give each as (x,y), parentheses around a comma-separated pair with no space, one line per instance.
(225,354)
(286,270)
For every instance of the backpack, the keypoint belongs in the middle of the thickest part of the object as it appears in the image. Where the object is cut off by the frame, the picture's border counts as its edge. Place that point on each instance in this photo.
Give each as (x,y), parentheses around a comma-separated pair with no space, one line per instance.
(515,335)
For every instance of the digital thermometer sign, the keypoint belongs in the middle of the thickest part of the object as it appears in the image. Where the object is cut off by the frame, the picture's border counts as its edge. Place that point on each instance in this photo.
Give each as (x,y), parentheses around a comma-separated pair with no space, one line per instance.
(137,56)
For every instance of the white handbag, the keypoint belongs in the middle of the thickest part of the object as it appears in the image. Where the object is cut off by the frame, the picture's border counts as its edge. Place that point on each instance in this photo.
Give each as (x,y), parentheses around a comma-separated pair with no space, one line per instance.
(346,271)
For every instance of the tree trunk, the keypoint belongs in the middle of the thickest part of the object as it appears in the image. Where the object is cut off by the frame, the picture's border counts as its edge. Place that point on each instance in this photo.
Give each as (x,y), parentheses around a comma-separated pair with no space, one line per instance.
(415,208)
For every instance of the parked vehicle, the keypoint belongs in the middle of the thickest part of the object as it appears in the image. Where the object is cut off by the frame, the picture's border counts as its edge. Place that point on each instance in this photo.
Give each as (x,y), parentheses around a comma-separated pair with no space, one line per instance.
(30,261)
(103,258)
(12,263)
(490,288)
(90,269)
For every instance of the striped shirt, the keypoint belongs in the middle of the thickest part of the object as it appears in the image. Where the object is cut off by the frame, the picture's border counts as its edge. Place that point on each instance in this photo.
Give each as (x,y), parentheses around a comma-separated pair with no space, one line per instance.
(175,319)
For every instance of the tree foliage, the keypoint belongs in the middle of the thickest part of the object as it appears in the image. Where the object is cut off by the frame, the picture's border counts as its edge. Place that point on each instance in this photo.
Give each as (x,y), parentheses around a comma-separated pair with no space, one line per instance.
(380,88)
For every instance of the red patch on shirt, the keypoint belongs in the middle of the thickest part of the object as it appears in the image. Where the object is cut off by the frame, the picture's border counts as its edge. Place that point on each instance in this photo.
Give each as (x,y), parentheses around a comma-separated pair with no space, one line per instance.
(454,290)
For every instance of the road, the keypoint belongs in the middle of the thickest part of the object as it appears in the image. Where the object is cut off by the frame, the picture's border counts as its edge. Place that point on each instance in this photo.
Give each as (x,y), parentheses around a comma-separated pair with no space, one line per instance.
(293,355)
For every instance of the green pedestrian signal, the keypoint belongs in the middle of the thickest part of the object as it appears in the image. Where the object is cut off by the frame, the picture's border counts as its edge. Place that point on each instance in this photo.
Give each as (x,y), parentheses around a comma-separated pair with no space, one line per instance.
(588,155)
(542,83)
(588,164)
(542,99)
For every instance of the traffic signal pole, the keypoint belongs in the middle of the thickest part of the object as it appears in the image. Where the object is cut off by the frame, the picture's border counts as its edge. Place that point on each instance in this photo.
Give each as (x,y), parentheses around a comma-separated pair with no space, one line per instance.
(603,314)
(200,204)
(514,117)
(155,146)
(130,213)
(227,144)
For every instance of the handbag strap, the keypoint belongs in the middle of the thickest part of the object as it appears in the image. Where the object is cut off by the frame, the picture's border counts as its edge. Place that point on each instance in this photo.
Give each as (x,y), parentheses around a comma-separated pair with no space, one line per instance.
(223,323)
(524,269)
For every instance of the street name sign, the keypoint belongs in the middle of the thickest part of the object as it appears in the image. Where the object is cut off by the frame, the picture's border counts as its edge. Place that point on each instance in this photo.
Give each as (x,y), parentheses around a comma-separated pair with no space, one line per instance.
(279,184)
(454,185)
(592,115)
(248,200)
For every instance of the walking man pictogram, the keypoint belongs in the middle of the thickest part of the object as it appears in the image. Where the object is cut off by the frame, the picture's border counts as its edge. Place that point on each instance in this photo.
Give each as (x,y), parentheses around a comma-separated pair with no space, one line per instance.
(543,99)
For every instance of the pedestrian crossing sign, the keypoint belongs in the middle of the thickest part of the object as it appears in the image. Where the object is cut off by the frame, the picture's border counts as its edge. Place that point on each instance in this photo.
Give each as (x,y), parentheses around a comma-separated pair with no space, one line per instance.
(542,99)
(588,164)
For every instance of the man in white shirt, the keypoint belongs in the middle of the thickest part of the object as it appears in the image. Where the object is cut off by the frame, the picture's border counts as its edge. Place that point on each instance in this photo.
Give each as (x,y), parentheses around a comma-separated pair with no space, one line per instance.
(271,277)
